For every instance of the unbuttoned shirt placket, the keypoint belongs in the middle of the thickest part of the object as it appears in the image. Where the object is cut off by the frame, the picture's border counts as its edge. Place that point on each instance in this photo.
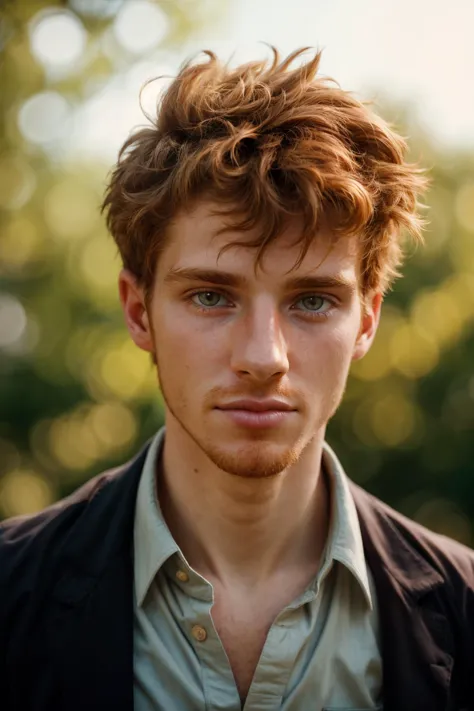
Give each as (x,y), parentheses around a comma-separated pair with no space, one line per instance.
(197,598)
(278,655)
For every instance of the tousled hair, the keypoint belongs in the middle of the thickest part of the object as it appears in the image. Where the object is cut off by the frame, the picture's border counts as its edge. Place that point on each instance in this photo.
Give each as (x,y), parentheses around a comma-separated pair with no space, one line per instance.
(267,141)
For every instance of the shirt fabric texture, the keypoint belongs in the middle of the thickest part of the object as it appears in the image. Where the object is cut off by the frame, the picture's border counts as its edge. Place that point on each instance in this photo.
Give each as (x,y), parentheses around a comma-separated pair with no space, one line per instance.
(321,652)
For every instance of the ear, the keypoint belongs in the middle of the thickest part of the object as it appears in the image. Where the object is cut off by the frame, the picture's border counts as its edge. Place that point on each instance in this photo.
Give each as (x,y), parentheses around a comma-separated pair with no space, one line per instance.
(132,299)
(369,324)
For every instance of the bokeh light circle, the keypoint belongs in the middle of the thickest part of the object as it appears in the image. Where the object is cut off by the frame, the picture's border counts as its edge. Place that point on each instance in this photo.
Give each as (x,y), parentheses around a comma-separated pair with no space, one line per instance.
(13,320)
(44,117)
(57,38)
(96,8)
(140,26)
(24,491)
(17,181)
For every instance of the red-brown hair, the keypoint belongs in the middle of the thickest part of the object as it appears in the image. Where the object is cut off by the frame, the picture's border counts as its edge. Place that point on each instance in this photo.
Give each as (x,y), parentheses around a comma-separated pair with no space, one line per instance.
(267,141)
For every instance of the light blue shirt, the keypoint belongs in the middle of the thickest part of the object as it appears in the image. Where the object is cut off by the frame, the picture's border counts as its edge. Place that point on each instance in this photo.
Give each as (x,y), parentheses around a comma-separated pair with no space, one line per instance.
(321,652)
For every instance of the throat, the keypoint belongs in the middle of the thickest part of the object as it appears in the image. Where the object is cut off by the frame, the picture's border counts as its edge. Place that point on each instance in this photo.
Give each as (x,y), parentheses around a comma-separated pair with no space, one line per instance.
(232,527)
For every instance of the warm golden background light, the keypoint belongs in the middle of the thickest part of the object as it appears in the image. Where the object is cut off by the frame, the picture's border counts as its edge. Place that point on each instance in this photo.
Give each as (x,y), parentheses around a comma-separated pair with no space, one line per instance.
(75,395)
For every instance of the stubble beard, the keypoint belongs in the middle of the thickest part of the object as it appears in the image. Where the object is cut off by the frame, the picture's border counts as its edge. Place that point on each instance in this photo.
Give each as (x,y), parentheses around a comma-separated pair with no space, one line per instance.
(254,460)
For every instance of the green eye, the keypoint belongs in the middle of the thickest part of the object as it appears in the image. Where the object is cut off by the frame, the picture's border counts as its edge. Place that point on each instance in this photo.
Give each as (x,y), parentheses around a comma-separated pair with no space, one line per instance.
(208,298)
(313,302)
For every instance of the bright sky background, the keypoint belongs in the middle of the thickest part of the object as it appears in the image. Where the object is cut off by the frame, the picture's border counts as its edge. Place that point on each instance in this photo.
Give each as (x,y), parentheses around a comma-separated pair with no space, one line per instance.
(420,50)
(416,51)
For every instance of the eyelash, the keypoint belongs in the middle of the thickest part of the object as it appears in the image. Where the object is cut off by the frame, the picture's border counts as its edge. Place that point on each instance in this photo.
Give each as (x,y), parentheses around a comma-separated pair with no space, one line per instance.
(317,315)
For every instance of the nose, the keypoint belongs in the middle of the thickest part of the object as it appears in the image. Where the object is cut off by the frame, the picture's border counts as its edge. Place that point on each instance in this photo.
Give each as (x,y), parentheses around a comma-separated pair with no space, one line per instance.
(259,348)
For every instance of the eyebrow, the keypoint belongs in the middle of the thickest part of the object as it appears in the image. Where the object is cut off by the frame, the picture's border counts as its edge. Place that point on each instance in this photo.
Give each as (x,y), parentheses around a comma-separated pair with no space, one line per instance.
(216,276)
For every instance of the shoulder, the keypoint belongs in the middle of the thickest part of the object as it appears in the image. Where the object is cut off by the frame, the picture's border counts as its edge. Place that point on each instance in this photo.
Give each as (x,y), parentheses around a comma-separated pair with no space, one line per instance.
(26,539)
(106,499)
(403,541)
(92,521)
(77,536)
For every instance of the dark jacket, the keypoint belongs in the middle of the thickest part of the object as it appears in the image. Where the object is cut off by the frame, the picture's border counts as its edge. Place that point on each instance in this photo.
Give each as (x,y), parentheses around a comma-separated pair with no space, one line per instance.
(66,605)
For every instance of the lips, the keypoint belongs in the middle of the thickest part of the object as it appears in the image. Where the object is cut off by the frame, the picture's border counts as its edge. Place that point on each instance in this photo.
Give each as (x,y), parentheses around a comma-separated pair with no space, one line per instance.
(251,405)
(257,414)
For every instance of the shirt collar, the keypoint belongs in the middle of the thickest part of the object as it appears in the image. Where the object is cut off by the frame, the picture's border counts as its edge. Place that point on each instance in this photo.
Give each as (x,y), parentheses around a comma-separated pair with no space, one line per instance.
(154,543)
(152,539)
(345,539)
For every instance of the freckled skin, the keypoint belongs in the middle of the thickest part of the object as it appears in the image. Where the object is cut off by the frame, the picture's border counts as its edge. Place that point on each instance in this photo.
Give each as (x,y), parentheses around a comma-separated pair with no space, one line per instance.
(259,342)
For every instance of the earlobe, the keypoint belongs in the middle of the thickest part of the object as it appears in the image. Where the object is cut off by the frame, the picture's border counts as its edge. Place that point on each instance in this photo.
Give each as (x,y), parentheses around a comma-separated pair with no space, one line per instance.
(133,305)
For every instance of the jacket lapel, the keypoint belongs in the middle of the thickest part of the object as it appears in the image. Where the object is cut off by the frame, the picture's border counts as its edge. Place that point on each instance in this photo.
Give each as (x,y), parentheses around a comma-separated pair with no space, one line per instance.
(417,643)
(91,610)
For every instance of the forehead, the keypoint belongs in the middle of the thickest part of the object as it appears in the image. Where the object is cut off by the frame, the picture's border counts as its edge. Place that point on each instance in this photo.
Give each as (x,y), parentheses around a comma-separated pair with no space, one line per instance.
(193,240)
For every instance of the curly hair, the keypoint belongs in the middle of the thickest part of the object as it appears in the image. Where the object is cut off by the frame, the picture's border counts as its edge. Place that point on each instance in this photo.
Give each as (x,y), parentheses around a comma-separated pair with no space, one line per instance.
(266,141)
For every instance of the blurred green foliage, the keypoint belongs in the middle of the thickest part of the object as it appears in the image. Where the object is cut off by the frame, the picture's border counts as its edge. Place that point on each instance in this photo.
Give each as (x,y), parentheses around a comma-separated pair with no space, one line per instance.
(76,396)
(406,429)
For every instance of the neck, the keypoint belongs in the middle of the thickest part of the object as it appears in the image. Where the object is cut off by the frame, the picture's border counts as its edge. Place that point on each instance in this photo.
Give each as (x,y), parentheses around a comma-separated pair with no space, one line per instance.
(243,531)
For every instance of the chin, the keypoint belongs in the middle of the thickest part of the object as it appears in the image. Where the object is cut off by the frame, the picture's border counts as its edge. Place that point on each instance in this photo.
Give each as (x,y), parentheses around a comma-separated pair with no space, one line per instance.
(256,454)
(255,460)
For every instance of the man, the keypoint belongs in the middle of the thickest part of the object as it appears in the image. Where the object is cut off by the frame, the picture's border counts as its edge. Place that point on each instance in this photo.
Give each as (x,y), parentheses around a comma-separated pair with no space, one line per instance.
(232,564)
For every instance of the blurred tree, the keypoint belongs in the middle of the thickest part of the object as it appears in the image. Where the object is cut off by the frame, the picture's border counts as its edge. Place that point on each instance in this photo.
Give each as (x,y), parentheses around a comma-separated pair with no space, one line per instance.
(76,395)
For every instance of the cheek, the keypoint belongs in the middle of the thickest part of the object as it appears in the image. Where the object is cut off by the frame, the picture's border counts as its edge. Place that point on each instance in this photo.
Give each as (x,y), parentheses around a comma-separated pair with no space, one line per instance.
(173,337)
(330,350)
(185,353)
(188,347)
(343,337)
(329,376)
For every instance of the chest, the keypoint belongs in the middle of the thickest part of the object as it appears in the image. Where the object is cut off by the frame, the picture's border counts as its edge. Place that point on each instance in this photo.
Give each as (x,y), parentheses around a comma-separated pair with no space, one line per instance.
(314,655)
(243,622)
(243,633)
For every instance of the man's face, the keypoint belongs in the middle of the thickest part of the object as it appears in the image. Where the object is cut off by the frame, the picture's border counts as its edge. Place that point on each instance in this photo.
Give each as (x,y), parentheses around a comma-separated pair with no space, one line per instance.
(222,333)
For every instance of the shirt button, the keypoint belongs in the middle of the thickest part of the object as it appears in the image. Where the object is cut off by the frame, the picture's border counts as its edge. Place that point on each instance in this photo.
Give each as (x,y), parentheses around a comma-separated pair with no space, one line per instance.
(199,633)
(182,575)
